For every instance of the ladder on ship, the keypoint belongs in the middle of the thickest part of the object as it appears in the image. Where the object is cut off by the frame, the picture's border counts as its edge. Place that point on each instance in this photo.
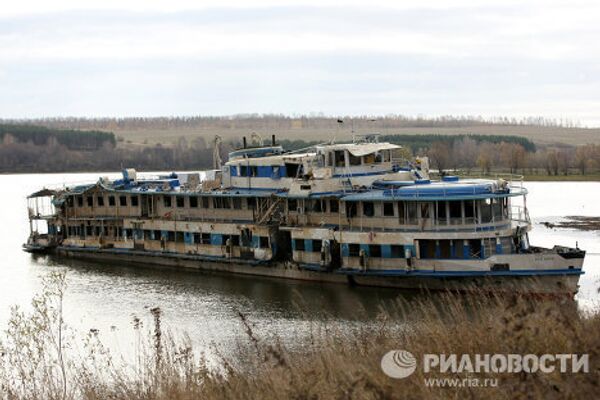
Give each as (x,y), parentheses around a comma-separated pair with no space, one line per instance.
(267,211)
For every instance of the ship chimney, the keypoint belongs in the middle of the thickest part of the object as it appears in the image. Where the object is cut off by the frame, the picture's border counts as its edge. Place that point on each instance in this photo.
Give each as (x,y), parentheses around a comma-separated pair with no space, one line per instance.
(272,140)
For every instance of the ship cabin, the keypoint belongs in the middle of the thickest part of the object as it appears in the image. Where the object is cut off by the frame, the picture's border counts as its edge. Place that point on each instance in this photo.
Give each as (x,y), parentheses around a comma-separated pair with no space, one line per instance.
(393,227)
(169,214)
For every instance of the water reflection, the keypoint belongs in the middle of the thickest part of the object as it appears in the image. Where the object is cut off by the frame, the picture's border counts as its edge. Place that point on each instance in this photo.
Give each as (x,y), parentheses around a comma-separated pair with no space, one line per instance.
(206,305)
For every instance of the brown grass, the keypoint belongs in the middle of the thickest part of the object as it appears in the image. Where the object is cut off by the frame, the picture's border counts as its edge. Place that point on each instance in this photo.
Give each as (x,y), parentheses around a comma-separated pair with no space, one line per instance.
(332,363)
(540,135)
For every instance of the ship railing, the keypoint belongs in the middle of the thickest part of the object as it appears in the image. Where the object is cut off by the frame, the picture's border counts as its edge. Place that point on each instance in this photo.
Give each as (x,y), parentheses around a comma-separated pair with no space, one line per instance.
(520,214)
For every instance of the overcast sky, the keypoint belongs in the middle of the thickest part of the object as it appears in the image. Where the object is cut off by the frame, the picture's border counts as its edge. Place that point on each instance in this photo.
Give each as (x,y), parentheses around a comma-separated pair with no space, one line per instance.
(180,57)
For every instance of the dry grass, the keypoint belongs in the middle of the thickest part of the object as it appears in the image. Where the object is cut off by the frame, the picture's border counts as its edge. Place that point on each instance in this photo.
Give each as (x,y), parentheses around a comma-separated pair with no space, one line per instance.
(40,360)
(540,135)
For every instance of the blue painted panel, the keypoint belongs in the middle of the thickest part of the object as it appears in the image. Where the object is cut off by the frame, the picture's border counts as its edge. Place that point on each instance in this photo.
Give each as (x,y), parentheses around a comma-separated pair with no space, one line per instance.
(466,251)
(345,250)
(498,248)
(233,170)
(188,238)
(308,245)
(256,242)
(264,171)
(216,239)
(452,249)
(365,247)
(386,251)
(164,235)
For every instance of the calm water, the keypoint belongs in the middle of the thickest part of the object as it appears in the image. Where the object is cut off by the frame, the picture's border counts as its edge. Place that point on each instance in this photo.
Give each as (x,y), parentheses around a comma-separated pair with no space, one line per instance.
(106,297)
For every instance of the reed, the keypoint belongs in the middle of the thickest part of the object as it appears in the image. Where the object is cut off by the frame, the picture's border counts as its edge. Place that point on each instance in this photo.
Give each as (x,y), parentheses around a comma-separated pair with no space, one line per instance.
(41,358)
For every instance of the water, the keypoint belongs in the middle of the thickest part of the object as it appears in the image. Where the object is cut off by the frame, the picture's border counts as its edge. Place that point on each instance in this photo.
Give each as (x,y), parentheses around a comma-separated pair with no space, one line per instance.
(106,297)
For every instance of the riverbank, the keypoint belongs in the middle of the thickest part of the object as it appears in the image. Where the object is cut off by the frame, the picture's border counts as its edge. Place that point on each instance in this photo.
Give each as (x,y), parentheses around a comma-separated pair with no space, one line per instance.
(42,358)
(562,178)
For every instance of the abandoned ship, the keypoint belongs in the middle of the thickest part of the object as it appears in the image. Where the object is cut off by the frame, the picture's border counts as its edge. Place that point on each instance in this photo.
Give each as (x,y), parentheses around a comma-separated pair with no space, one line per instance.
(363,213)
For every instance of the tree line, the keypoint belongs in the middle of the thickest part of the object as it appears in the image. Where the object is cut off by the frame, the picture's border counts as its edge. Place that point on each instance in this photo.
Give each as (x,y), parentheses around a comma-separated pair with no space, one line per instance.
(41,136)
(53,150)
(258,122)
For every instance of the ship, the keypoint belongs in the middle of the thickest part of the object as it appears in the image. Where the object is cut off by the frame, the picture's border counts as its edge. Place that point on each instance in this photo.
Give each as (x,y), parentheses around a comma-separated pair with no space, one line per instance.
(365,213)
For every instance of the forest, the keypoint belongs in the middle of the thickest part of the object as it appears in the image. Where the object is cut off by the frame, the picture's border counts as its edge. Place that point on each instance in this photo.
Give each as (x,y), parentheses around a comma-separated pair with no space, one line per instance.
(33,148)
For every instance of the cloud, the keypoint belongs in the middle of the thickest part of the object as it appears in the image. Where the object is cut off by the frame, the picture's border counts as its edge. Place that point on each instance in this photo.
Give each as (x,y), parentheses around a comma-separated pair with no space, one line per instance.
(179,57)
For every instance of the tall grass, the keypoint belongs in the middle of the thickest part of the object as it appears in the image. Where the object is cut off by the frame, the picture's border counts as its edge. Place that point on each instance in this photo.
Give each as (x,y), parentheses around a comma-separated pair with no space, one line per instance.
(41,358)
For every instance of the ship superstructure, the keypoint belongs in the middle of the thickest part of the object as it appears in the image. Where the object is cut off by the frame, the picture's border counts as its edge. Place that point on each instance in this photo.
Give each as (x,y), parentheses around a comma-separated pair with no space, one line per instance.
(360,212)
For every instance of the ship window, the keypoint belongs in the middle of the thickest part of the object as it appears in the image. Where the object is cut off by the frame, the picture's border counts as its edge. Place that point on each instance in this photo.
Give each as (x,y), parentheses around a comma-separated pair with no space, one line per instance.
(397,251)
(251,202)
(263,242)
(226,202)
(157,234)
(340,159)
(388,209)
(441,211)
(354,160)
(375,250)
(167,201)
(79,201)
(497,209)
(217,202)
(350,210)
(254,170)
(455,212)
(411,212)
(425,211)
(401,213)
(202,238)
(292,205)
(205,202)
(111,201)
(237,203)
(334,206)
(88,231)
(299,244)
(317,206)
(180,200)
(90,201)
(243,170)
(234,240)
(368,208)
(100,201)
(135,201)
(193,202)
(316,246)
(170,236)
(486,211)
(123,201)
(291,170)
(369,159)
(470,211)
(179,237)
(353,249)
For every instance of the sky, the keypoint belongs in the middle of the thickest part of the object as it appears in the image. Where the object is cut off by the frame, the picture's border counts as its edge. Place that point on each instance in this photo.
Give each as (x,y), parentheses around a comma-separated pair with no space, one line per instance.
(180,57)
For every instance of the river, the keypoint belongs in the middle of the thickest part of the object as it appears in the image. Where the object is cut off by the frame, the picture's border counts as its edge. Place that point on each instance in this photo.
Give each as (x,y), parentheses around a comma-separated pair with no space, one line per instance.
(107,297)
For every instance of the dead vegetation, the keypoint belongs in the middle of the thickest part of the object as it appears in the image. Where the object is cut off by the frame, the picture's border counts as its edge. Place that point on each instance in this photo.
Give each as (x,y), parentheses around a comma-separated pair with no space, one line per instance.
(577,222)
(41,358)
